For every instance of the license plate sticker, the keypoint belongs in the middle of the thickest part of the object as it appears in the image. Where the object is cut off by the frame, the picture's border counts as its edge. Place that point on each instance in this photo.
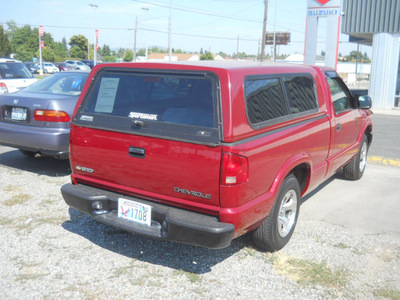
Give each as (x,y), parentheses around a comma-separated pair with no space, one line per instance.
(18,114)
(134,211)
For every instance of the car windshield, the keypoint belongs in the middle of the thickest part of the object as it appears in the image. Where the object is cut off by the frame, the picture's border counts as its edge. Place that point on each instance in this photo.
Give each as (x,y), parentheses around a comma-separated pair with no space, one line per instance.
(80,63)
(14,70)
(60,83)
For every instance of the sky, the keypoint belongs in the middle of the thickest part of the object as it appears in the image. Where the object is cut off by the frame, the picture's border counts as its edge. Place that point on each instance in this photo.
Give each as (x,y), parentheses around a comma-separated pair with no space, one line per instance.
(211,25)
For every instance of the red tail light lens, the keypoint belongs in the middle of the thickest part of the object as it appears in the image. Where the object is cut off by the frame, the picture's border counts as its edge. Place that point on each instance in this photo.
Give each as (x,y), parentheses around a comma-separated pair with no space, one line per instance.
(3,88)
(51,115)
(234,169)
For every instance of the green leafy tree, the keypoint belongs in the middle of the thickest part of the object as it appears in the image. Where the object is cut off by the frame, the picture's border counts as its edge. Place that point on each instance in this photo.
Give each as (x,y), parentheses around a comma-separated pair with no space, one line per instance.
(79,46)
(128,56)
(106,50)
(222,54)
(141,52)
(207,56)
(5,45)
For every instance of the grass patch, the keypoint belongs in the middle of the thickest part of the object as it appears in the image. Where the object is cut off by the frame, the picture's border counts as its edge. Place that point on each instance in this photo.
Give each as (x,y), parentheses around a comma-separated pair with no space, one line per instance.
(12,188)
(17,199)
(29,276)
(191,276)
(308,272)
(387,293)
(341,246)
(5,221)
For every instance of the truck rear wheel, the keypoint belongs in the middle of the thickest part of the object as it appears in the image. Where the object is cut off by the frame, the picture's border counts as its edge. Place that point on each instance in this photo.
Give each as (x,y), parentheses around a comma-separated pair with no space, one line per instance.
(278,227)
(354,170)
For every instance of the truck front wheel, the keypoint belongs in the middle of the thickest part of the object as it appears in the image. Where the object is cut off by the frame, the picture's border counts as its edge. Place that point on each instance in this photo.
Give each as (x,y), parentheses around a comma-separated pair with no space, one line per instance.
(354,170)
(278,227)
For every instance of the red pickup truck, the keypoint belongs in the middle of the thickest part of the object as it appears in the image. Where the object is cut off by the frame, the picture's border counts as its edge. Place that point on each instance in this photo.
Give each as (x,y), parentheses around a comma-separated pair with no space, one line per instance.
(202,153)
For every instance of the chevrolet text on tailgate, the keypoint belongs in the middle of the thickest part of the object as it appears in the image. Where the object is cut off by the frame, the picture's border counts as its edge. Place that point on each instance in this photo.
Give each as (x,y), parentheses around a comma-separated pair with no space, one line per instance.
(202,153)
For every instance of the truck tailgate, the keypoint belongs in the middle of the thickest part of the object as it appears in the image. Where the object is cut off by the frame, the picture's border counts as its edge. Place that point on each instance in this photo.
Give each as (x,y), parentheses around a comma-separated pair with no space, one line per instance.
(173,172)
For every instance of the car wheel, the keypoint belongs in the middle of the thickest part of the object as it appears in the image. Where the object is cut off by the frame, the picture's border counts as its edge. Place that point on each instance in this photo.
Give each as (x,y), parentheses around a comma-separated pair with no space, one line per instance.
(278,227)
(354,170)
(27,153)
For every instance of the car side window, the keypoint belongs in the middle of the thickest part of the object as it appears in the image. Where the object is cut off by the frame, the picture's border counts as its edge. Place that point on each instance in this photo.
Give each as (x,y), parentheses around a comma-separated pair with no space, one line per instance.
(341,98)
(265,100)
(301,93)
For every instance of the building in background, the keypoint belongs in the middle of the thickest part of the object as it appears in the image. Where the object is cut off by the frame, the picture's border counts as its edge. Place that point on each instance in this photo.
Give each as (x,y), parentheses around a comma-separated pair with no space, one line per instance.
(377,23)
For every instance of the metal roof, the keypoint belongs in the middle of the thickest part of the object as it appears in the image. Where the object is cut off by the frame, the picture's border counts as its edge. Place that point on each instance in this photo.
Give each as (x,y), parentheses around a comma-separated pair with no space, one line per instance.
(363,18)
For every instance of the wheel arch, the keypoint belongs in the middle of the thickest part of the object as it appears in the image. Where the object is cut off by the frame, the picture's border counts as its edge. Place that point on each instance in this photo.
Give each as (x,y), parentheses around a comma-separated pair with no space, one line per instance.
(298,165)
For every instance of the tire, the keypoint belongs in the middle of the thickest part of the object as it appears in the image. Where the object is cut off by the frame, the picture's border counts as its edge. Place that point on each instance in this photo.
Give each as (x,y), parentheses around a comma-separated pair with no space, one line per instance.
(278,227)
(354,170)
(27,153)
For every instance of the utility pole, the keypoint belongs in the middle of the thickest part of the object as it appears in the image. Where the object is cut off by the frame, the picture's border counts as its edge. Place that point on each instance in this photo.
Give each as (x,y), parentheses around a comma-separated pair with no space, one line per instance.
(94,6)
(264,34)
(237,48)
(170,31)
(134,44)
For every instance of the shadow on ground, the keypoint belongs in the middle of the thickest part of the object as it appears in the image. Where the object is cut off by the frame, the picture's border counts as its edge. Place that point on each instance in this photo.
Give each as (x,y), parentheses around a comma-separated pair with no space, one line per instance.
(169,254)
(42,165)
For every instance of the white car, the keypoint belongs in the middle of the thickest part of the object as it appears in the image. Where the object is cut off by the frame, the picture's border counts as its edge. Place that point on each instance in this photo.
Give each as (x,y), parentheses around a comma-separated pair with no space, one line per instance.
(77,65)
(14,76)
(49,68)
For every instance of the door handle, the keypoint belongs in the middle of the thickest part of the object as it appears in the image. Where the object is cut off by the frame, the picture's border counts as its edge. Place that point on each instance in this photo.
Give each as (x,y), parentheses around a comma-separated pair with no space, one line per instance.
(338,127)
(137,152)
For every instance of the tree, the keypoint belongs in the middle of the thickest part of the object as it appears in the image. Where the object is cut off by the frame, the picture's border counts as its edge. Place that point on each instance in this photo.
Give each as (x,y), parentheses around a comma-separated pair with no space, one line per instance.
(128,56)
(79,46)
(222,54)
(106,50)
(207,56)
(5,45)
(141,52)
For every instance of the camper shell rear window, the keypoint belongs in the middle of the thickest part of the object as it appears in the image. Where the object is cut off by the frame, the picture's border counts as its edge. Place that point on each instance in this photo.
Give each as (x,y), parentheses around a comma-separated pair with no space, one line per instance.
(173,105)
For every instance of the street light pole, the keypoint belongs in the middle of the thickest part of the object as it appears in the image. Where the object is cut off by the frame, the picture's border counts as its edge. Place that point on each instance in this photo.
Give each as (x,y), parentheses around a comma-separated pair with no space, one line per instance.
(94,6)
(170,31)
(264,34)
(134,44)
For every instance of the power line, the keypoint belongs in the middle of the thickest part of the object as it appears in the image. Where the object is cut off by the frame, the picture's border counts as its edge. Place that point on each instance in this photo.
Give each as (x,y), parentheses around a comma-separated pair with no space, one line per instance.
(199,12)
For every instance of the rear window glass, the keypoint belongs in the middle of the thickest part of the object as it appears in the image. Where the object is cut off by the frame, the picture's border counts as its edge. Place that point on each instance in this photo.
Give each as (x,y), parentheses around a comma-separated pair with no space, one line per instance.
(14,70)
(175,99)
(63,83)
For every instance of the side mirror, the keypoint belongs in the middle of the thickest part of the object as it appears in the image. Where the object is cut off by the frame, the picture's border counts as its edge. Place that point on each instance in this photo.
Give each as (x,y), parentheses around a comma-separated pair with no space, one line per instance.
(364,102)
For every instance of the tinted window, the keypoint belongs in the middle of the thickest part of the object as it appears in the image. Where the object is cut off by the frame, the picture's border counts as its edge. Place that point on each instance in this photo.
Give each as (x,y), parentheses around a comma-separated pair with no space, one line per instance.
(265,100)
(175,99)
(14,71)
(301,93)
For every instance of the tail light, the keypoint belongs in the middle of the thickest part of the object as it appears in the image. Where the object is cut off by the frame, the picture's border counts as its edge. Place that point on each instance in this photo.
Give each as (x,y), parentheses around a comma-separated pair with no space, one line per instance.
(51,115)
(3,88)
(234,169)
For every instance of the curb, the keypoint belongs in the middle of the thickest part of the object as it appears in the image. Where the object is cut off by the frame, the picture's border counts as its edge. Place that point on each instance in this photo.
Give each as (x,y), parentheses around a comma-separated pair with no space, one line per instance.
(383,161)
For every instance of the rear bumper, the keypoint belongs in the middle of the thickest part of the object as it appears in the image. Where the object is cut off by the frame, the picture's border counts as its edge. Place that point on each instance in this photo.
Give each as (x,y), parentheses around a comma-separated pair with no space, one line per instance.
(168,223)
(48,141)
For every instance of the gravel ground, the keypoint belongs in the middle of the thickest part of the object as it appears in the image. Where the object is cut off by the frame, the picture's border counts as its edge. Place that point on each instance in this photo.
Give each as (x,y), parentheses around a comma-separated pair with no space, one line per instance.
(49,251)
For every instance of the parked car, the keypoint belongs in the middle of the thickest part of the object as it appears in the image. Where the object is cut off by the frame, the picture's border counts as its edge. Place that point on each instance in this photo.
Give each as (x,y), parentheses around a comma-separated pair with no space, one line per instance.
(64,67)
(50,68)
(14,76)
(36,120)
(77,65)
(89,63)
(32,67)
(202,153)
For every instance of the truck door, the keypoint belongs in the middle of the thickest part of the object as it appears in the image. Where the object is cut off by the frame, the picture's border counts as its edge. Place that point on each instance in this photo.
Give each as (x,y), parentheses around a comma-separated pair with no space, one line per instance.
(345,127)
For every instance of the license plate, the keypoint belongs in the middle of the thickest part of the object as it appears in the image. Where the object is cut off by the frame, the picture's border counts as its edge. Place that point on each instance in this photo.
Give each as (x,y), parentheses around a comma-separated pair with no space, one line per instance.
(134,211)
(18,114)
